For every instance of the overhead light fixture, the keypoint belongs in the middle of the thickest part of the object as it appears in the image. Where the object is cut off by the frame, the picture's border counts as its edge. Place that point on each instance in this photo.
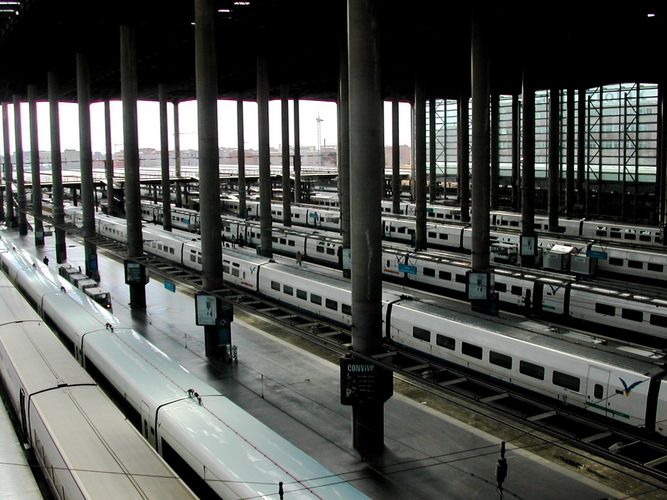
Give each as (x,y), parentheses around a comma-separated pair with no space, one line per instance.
(650,14)
(7,2)
(238,2)
(224,11)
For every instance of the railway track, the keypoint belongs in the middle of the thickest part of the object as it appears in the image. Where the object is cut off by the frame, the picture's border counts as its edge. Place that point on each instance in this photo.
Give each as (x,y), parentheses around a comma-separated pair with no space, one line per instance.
(559,424)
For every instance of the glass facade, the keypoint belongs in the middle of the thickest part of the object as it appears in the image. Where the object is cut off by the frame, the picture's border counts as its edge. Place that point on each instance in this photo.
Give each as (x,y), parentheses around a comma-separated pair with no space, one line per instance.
(620,151)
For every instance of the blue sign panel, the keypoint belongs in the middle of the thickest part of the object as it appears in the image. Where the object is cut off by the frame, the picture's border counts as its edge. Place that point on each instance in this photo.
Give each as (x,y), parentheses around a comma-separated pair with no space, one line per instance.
(595,254)
(170,286)
(406,268)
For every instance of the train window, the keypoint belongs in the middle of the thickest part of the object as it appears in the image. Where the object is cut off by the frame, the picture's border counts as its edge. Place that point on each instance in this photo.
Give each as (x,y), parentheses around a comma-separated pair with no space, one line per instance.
(411,231)
(421,334)
(319,249)
(346,309)
(632,315)
(605,309)
(428,271)
(193,258)
(514,223)
(275,285)
(288,290)
(291,243)
(301,294)
(432,234)
(615,233)
(448,216)
(444,275)
(274,239)
(502,360)
(635,264)
(658,320)
(630,236)
(443,236)
(330,251)
(171,251)
(235,272)
(283,241)
(598,391)
(225,268)
(516,290)
(446,342)
(474,351)
(565,380)
(601,231)
(500,287)
(296,216)
(615,261)
(401,230)
(460,278)
(438,215)
(388,263)
(331,304)
(658,268)
(316,299)
(531,370)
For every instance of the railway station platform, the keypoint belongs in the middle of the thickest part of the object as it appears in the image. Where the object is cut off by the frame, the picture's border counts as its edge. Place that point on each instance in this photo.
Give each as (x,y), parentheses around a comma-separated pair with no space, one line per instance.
(435,448)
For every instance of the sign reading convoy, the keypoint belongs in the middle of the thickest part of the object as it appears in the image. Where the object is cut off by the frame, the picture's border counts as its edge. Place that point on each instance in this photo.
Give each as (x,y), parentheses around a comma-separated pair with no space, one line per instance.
(363,382)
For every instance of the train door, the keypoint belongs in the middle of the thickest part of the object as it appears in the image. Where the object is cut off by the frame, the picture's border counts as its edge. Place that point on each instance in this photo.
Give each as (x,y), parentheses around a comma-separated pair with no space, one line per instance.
(145,420)
(597,390)
(538,296)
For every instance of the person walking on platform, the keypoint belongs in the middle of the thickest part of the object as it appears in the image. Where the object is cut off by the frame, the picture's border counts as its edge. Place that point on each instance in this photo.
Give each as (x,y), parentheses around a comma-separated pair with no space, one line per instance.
(299,258)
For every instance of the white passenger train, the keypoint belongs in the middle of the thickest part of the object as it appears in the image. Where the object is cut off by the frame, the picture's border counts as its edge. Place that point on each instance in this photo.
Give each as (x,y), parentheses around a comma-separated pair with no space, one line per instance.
(609,383)
(646,263)
(552,296)
(84,446)
(222,450)
(644,235)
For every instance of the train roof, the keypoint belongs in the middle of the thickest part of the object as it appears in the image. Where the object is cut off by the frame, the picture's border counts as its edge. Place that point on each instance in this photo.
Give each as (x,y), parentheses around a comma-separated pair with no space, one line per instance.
(39,358)
(559,339)
(105,454)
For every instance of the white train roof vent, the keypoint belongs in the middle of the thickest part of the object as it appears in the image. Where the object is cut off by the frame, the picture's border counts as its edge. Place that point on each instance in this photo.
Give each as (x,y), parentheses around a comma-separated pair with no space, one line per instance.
(646,353)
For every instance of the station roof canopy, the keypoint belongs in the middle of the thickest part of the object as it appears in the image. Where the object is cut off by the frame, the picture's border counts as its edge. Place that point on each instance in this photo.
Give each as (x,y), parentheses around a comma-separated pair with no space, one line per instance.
(568,43)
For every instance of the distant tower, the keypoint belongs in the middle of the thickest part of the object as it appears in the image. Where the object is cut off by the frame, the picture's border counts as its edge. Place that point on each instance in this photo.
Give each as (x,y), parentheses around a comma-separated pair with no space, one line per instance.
(319,137)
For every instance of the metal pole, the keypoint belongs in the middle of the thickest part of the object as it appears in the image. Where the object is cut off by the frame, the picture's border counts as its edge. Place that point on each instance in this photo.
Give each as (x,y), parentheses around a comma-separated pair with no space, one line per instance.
(480,141)
(420,165)
(128,89)
(7,158)
(554,173)
(464,158)
(588,155)
(528,170)
(516,151)
(600,155)
(569,174)
(344,157)
(177,155)
(86,164)
(35,170)
(581,149)
(495,150)
(9,180)
(395,158)
(265,192)
(164,158)
(286,181)
(636,184)
(108,162)
(240,135)
(622,136)
(56,170)
(298,197)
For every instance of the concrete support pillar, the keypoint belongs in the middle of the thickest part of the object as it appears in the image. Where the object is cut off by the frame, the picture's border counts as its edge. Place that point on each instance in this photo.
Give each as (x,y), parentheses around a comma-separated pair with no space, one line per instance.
(86,164)
(432,183)
(366,167)
(516,152)
(420,165)
(344,158)
(56,170)
(164,158)
(243,211)
(10,216)
(177,155)
(554,158)
(528,170)
(569,160)
(395,159)
(128,90)
(298,197)
(480,141)
(207,117)
(286,180)
(661,165)
(38,225)
(19,218)
(495,151)
(108,160)
(7,158)
(464,158)
(265,194)
(582,195)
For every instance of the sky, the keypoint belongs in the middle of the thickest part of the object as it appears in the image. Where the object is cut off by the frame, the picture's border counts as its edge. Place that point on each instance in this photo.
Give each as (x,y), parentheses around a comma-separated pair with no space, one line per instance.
(149,124)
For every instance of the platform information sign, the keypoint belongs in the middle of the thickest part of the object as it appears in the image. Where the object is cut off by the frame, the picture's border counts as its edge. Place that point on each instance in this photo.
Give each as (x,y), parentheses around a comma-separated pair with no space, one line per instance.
(407,268)
(170,286)
(363,382)
(595,254)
